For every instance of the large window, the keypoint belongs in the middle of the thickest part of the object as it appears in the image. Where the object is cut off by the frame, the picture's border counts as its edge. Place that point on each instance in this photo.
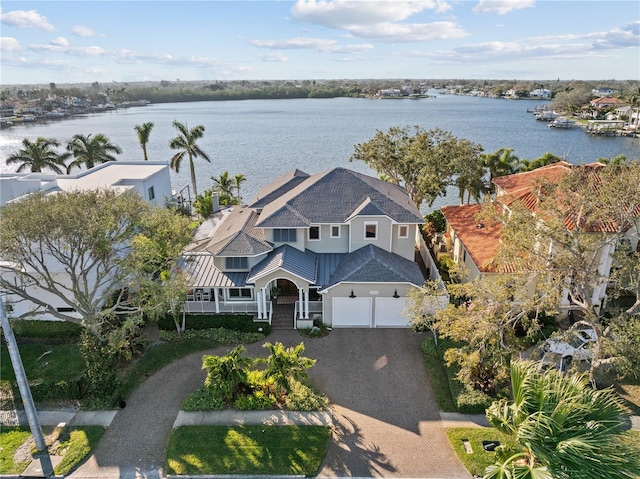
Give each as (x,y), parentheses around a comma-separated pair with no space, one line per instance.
(237,263)
(314,233)
(240,293)
(284,235)
(371,230)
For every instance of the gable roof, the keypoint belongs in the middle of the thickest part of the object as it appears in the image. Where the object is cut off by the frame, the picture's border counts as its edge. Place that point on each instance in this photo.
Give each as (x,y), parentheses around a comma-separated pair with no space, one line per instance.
(299,263)
(520,183)
(371,264)
(234,235)
(333,196)
(278,187)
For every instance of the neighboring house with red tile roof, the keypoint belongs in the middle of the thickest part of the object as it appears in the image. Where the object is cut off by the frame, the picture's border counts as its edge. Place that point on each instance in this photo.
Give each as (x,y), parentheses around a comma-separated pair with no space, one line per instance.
(475,245)
(607,101)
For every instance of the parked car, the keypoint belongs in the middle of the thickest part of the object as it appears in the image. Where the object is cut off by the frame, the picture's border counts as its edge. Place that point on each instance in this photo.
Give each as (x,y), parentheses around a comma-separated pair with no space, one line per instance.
(576,346)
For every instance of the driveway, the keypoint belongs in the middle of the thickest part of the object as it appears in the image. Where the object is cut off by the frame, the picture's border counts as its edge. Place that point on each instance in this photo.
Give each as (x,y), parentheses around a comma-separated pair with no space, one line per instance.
(386,420)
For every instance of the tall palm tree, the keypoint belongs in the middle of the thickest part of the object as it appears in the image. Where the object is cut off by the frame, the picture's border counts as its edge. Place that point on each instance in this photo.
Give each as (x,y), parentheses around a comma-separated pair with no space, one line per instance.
(186,143)
(561,428)
(238,180)
(143,131)
(223,185)
(500,163)
(34,156)
(90,151)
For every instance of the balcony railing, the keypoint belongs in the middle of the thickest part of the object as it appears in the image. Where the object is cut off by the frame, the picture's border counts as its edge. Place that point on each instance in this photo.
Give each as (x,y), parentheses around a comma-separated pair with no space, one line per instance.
(240,307)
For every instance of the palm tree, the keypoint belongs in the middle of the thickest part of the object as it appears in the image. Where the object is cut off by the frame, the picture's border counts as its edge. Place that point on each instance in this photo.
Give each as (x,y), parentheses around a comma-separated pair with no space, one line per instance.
(561,428)
(35,156)
(286,364)
(226,375)
(238,180)
(90,151)
(143,132)
(500,163)
(223,185)
(186,143)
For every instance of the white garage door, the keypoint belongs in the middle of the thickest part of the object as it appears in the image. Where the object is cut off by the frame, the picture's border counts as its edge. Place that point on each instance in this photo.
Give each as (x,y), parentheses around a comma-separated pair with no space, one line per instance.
(351,312)
(389,313)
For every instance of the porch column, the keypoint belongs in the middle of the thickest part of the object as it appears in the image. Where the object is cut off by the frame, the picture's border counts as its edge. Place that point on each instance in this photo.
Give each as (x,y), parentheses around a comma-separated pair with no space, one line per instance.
(306,304)
(301,316)
(215,298)
(259,303)
(265,311)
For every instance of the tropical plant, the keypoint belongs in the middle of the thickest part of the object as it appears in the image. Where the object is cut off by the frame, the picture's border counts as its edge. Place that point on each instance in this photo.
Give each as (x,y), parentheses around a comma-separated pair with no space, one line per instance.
(223,184)
(203,204)
(285,365)
(227,375)
(143,131)
(90,151)
(545,160)
(500,163)
(561,428)
(238,179)
(34,156)
(186,143)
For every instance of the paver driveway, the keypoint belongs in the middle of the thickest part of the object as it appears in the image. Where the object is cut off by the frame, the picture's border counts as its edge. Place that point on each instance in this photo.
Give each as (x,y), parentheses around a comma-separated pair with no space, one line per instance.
(386,421)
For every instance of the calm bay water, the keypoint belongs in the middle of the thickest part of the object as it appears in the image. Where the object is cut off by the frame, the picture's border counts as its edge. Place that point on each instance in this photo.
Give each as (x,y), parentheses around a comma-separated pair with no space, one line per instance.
(263,139)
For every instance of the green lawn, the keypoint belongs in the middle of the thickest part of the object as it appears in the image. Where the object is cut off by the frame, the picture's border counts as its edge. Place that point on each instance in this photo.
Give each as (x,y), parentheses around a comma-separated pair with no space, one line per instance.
(74,445)
(247,450)
(44,361)
(479,459)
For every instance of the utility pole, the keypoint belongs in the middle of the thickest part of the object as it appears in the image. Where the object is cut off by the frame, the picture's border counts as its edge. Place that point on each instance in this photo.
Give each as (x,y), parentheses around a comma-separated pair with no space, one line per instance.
(25,394)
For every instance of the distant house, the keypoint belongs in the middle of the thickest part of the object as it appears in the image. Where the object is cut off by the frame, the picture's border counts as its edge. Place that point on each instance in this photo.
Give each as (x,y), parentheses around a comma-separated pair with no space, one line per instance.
(542,93)
(607,101)
(339,246)
(474,244)
(389,92)
(602,92)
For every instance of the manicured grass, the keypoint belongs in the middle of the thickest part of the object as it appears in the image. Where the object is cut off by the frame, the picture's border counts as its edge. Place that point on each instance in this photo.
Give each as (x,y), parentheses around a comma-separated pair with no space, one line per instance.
(477,461)
(74,444)
(10,440)
(247,450)
(443,383)
(44,361)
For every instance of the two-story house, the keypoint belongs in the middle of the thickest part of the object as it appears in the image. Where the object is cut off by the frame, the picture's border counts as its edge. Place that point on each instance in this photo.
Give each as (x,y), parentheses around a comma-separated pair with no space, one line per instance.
(340,245)
(474,245)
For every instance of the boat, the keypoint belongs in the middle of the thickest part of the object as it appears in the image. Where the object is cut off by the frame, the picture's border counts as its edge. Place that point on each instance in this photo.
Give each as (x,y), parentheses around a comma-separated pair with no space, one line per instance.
(562,122)
(546,115)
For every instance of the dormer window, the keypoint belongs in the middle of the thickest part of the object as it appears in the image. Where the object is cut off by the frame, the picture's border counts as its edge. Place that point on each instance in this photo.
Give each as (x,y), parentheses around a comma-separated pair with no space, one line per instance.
(236,262)
(371,230)
(284,235)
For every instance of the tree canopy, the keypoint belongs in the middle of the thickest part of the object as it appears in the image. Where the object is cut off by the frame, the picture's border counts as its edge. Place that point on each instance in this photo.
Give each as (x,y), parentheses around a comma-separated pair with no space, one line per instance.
(97,252)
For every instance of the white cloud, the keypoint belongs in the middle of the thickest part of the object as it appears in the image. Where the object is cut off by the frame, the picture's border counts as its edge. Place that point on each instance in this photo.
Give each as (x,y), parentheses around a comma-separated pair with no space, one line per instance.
(9,44)
(60,41)
(26,19)
(274,57)
(83,31)
(379,20)
(501,6)
(318,44)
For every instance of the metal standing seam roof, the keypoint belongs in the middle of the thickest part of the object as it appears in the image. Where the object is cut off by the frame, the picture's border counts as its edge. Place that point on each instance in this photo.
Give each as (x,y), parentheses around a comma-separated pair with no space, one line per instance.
(333,196)
(299,263)
(371,264)
(203,273)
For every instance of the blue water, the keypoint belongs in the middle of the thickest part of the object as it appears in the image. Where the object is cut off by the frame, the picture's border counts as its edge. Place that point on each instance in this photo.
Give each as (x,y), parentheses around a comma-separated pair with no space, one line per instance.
(265,138)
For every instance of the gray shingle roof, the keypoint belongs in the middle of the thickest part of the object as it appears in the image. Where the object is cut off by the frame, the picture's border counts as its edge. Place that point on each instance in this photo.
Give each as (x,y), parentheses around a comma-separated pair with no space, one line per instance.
(278,187)
(287,258)
(334,196)
(371,264)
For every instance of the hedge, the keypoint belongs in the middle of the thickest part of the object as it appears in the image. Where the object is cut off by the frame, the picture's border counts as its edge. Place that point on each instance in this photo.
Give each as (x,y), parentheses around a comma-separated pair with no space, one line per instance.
(236,322)
(58,331)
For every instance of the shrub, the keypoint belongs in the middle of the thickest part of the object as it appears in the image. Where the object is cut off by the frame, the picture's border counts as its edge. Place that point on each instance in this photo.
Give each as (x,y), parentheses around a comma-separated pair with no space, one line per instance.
(256,401)
(235,322)
(304,398)
(472,401)
(52,331)
(221,335)
(203,400)
(43,390)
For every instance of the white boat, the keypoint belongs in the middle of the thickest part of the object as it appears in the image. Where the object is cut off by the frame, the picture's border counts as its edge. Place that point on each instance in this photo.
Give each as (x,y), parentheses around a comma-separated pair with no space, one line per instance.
(562,122)
(546,115)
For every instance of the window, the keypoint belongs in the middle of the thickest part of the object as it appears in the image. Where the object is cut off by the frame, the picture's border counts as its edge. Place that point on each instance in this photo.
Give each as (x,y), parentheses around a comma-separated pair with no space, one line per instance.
(314,233)
(284,235)
(371,230)
(335,231)
(150,193)
(66,310)
(403,231)
(237,263)
(240,293)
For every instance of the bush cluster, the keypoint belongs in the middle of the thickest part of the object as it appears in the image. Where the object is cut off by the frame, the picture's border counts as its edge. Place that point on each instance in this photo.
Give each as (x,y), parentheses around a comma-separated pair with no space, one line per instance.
(52,331)
(221,335)
(236,322)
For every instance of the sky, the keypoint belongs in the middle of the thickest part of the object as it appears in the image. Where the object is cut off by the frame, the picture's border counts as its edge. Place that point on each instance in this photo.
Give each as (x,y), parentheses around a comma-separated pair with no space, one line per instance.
(153,40)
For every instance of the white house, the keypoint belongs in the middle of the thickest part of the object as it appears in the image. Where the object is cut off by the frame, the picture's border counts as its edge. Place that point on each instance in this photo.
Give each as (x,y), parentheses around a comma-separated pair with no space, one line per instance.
(151,180)
(339,245)
(542,93)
